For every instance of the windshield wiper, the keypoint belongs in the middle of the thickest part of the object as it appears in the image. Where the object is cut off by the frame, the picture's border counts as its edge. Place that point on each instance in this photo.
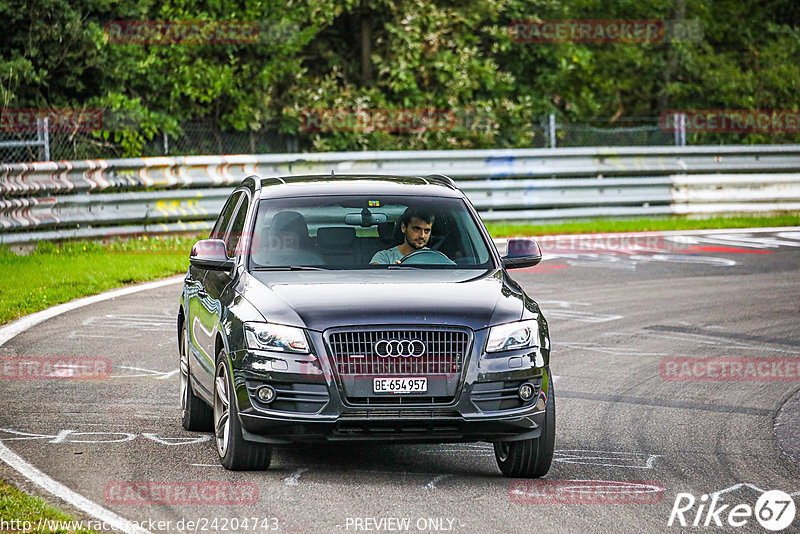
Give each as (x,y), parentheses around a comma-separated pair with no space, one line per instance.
(404,266)
(288,268)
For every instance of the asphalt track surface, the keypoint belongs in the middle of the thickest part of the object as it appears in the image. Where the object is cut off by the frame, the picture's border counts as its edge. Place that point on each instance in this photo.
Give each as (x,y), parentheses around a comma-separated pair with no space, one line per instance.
(629,436)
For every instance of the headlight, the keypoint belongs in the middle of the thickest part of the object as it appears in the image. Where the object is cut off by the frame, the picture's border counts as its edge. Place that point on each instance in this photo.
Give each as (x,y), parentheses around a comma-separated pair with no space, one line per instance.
(277,337)
(510,336)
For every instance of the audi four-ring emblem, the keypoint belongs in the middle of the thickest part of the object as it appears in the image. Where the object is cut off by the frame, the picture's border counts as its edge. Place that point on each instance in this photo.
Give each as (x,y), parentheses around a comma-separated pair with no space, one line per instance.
(402,348)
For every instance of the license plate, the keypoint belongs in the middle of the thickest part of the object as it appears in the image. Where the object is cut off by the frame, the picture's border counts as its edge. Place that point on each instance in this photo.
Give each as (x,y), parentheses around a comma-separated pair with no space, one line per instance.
(399,385)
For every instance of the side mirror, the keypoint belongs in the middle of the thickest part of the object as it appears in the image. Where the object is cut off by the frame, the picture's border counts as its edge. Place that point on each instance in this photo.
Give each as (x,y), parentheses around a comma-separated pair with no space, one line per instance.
(522,252)
(210,254)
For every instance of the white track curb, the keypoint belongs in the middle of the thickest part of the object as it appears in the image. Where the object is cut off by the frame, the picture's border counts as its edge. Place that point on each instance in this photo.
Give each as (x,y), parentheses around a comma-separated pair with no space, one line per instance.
(31,472)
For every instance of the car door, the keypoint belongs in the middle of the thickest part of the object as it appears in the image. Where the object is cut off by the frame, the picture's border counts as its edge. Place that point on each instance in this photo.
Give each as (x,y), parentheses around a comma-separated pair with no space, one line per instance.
(201,311)
(214,284)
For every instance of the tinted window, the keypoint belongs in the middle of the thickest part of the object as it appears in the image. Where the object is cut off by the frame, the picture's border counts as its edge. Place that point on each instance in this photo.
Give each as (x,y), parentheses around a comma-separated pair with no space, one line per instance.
(339,232)
(235,233)
(225,217)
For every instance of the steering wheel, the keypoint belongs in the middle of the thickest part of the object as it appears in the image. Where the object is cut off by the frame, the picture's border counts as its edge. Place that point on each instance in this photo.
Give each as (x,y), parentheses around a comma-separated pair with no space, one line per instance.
(427,257)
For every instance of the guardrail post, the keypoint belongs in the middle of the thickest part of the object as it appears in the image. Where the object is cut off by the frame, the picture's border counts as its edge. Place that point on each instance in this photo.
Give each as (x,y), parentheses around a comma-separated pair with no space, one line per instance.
(683,129)
(43,136)
(292,144)
(679,127)
(552,130)
(675,126)
(166,143)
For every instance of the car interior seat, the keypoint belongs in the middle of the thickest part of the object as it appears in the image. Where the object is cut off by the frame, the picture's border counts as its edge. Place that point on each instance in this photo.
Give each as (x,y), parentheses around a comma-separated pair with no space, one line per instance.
(338,245)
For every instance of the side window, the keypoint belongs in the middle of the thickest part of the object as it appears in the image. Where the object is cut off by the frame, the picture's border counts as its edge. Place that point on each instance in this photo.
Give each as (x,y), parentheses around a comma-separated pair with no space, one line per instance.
(235,233)
(225,217)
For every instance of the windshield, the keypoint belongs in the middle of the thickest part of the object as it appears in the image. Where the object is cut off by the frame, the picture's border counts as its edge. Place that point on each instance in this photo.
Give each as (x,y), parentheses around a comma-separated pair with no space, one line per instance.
(366,232)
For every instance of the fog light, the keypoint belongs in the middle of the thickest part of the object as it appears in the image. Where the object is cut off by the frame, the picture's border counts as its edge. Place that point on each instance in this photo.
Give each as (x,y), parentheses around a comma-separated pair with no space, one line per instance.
(266,394)
(526,392)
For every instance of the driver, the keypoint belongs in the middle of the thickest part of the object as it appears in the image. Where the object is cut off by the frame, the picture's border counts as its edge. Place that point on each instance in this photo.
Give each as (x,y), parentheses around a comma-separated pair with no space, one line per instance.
(416,226)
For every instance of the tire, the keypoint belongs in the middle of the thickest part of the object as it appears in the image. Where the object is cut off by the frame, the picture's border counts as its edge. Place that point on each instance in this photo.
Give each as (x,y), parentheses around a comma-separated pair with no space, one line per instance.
(531,458)
(196,415)
(235,454)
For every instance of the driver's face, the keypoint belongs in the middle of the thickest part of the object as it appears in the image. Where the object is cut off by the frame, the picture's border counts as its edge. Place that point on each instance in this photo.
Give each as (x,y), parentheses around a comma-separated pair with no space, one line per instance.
(417,233)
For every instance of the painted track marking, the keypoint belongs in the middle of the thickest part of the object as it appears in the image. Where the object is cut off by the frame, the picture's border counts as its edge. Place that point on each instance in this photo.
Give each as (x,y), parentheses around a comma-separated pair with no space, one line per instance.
(432,484)
(26,469)
(64,493)
(294,478)
(745,485)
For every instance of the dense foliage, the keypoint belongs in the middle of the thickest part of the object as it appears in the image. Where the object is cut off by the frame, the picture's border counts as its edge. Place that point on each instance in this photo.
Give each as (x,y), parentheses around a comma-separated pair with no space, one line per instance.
(395,54)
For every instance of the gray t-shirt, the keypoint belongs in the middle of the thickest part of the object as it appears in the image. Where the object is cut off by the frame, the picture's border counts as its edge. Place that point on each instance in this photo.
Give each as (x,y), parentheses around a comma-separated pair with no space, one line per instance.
(390,255)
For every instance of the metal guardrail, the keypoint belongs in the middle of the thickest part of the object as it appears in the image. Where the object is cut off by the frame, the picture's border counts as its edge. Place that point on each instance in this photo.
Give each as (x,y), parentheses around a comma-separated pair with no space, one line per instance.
(57,200)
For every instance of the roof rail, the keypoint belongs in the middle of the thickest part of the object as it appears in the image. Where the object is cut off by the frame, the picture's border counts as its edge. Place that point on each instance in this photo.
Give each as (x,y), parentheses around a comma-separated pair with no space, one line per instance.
(442,180)
(255,179)
(272,180)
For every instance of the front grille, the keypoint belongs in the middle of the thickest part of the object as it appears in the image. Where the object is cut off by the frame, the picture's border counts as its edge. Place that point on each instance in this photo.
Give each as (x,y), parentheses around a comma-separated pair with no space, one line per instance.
(396,400)
(382,415)
(410,428)
(354,352)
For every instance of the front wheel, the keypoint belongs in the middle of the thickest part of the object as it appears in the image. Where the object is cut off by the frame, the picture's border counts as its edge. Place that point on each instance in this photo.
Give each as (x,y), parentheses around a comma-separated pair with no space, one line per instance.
(531,458)
(235,453)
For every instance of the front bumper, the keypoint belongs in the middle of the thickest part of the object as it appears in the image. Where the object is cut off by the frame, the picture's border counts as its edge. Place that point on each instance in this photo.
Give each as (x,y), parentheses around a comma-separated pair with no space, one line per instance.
(311,405)
(420,427)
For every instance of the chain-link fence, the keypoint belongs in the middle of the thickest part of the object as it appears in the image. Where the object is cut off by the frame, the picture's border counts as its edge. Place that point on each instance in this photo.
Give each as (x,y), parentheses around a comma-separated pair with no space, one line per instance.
(25,144)
(626,133)
(208,138)
(197,138)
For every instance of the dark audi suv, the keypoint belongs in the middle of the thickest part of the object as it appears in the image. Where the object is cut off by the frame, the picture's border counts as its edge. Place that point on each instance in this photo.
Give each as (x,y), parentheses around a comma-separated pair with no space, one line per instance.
(334,308)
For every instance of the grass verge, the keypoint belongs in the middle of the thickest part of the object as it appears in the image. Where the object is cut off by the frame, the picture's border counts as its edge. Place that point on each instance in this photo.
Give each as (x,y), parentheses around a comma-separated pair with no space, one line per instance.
(55,273)
(20,512)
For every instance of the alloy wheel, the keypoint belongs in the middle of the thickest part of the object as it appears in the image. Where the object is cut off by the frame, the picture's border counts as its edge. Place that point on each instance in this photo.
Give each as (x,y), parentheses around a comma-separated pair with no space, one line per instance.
(184,369)
(222,411)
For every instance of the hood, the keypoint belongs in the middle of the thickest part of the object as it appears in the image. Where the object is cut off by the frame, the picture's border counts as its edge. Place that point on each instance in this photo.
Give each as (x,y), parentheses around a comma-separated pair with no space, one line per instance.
(323,299)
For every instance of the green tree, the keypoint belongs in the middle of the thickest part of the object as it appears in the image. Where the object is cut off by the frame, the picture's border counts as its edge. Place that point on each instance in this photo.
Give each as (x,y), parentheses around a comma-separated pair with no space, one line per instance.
(460,57)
